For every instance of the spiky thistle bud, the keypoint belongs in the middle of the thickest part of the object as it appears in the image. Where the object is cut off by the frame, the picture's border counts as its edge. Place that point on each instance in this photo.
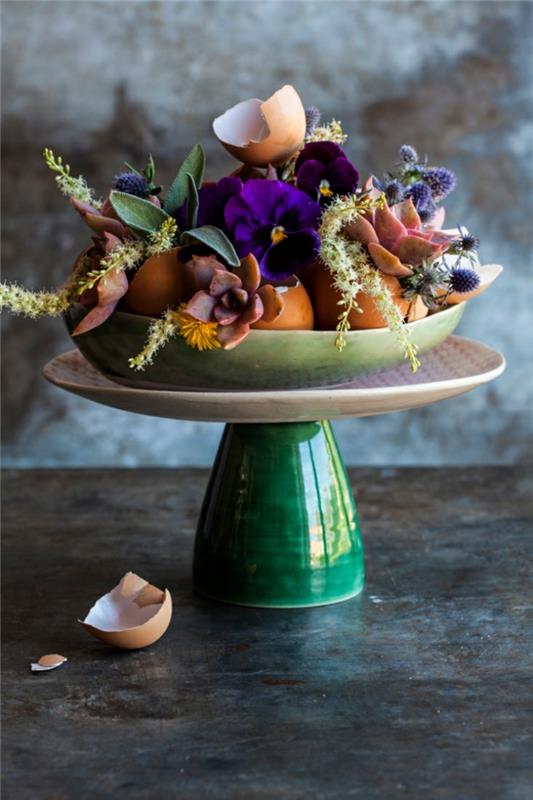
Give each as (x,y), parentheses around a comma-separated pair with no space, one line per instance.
(463,280)
(131,183)
(312,119)
(440,180)
(420,194)
(408,154)
(394,192)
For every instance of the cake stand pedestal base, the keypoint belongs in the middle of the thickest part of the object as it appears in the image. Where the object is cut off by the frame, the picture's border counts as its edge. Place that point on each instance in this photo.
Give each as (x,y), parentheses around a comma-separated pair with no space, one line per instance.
(278,526)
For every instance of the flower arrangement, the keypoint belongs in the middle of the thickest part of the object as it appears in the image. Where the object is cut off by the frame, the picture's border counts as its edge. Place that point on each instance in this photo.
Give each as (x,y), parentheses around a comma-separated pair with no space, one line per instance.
(210,261)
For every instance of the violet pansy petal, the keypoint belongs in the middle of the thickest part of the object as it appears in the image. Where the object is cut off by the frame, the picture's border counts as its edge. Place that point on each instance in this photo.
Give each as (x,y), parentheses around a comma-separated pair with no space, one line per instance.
(290,255)
(343,176)
(325,152)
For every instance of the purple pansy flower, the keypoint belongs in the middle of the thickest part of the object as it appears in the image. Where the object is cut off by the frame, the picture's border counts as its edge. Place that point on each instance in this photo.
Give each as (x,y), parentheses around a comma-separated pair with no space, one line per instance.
(277,223)
(323,170)
(212,201)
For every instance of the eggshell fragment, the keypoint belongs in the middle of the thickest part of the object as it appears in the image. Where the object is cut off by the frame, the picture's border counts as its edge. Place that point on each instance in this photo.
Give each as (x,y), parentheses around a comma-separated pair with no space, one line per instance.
(296,309)
(134,614)
(261,133)
(157,285)
(488,274)
(48,662)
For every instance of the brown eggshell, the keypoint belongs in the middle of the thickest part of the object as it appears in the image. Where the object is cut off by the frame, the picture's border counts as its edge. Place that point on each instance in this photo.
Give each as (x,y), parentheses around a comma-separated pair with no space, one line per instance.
(417,310)
(112,618)
(326,298)
(157,285)
(48,662)
(297,313)
(261,133)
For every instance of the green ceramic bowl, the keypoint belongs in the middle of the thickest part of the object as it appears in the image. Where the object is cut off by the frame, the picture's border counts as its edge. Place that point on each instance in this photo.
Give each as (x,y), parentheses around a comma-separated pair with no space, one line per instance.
(264,360)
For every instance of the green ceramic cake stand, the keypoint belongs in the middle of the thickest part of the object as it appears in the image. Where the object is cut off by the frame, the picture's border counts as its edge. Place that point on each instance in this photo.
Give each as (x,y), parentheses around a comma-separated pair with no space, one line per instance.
(278,526)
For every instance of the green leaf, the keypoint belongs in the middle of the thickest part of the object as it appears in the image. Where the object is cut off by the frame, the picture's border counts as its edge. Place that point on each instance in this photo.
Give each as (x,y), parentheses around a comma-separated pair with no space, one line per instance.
(192,203)
(138,214)
(132,169)
(217,241)
(193,165)
(149,170)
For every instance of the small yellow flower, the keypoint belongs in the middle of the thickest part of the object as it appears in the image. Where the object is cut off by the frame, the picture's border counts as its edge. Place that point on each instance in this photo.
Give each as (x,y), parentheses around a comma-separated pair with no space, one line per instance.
(198,334)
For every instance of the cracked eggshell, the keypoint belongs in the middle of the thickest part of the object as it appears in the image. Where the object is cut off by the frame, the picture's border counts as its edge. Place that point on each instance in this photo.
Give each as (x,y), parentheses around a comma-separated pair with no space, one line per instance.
(48,662)
(133,615)
(260,133)
(297,312)
(157,285)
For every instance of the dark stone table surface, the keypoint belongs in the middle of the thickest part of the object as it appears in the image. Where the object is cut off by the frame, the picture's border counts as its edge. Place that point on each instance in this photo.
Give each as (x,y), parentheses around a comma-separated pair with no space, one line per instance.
(419,688)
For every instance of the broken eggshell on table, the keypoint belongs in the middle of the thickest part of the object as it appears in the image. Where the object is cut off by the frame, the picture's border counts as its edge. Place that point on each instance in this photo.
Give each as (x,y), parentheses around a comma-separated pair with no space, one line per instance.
(133,615)
(48,662)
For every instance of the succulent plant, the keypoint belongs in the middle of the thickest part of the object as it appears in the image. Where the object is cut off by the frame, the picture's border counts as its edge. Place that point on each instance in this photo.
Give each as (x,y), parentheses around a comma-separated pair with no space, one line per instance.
(231,301)
(103,297)
(396,239)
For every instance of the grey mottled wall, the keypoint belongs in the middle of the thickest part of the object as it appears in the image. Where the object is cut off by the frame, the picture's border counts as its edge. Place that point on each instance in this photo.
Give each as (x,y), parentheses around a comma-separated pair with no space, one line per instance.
(104,81)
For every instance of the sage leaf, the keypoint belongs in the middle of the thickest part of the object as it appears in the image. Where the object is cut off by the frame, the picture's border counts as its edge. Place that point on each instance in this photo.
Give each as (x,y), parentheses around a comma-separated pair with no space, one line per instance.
(138,214)
(192,202)
(217,240)
(193,165)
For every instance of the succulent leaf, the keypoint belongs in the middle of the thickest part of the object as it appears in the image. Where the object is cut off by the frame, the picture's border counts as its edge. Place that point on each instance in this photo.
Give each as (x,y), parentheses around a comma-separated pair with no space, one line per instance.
(387,262)
(414,250)
(388,228)
(361,230)
(407,214)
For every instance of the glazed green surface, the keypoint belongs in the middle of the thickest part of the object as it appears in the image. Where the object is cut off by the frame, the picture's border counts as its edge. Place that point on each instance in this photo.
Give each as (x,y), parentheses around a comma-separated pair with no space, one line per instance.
(278,526)
(264,360)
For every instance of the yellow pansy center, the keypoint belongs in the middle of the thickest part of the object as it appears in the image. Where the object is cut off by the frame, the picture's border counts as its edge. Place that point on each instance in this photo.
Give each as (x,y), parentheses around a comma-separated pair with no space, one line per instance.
(325,189)
(278,234)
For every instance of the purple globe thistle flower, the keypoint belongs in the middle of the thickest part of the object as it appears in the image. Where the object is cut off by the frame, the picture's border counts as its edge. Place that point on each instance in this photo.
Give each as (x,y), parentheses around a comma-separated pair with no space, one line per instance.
(212,199)
(420,194)
(277,223)
(440,180)
(463,280)
(312,118)
(322,170)
(408,154)
(394,192)
(131,183)
(469,243)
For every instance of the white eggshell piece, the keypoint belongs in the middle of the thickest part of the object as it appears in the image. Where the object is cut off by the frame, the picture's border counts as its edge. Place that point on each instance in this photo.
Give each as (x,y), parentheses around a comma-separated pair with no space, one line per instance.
(242,124)
(123,606)
(48,662)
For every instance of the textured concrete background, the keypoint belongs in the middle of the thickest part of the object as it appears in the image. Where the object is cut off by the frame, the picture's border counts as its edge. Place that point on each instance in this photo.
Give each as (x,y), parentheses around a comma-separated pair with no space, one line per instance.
(100,82)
